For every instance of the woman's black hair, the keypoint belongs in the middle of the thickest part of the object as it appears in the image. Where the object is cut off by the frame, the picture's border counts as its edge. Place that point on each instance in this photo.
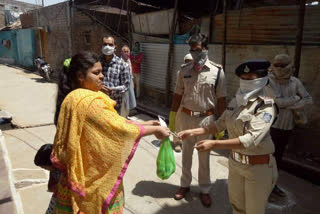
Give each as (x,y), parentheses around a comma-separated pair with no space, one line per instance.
(199,37)
(42,157)
(68,79)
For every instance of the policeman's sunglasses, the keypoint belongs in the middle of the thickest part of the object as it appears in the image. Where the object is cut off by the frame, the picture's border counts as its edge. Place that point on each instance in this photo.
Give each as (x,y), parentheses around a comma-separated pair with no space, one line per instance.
(278,65)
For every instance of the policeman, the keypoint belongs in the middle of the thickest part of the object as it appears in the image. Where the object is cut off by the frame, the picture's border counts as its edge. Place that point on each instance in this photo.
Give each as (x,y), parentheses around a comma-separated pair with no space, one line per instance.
(248,118)
(200,86)
(176,141)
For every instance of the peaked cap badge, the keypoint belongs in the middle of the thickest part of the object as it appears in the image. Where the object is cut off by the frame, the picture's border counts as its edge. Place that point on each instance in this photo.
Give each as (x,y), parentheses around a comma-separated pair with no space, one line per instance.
(246,69)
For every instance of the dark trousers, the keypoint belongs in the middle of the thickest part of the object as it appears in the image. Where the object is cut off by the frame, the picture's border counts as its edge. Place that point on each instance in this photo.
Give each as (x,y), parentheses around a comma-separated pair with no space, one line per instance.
(280,139)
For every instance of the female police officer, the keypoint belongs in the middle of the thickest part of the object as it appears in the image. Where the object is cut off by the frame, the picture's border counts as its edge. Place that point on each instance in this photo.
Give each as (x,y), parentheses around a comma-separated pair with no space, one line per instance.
(248,118)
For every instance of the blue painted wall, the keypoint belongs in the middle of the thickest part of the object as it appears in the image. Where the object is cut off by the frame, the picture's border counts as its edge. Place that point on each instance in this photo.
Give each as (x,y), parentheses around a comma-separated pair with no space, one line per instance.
(26,47)
(22,49)
(10,53)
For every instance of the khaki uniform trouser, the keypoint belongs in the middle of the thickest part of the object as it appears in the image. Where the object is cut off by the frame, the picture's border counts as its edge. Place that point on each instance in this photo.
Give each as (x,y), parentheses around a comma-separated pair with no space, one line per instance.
(177,126)
(249,186)
(188,122)
(136,82)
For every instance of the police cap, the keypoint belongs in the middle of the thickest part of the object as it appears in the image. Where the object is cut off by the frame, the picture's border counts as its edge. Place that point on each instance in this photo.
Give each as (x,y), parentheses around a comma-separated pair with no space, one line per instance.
(259,67)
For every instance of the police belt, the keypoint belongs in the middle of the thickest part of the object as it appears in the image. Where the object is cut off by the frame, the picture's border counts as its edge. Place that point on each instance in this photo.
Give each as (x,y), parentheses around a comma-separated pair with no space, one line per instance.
(250,159)
(198,113)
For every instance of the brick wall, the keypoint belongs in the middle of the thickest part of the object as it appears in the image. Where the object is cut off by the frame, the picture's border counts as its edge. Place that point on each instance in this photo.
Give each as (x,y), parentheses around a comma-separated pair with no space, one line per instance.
(54,19)
(2,18)
(88,34)
(26,20)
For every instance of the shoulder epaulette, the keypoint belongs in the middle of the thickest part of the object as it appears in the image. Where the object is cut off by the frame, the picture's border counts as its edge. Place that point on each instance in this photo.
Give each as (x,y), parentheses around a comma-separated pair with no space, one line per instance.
(267,100)
(186,64)
(215,64)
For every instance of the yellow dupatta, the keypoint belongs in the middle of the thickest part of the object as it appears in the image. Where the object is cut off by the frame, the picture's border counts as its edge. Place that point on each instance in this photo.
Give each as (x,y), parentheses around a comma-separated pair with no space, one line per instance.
(93,146)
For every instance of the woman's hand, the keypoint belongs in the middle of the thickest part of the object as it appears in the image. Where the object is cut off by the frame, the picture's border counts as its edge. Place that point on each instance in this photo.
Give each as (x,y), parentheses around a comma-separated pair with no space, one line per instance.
(205,145)
(185,134)
(161,132)
(153,123)
(146,123)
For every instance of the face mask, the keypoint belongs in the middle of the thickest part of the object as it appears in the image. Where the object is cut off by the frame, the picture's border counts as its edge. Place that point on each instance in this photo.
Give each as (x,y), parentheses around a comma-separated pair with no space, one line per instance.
(199,59)
(107,50)
(248,88)
(282,73)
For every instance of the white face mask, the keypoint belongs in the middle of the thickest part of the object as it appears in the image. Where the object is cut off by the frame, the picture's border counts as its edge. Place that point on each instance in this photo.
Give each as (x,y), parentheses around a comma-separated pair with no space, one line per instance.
(248,88)
(107,50)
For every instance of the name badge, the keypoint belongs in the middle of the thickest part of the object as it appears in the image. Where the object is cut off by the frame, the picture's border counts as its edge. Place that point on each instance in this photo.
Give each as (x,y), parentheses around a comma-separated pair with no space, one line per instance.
(187,76)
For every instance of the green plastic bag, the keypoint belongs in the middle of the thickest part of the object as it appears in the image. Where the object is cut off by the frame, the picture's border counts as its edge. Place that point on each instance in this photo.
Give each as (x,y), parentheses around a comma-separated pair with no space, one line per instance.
(166,164)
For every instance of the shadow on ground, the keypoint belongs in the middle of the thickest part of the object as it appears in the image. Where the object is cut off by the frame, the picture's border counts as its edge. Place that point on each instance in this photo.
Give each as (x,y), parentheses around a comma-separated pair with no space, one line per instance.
(191,204)
(162,192)
(25,70)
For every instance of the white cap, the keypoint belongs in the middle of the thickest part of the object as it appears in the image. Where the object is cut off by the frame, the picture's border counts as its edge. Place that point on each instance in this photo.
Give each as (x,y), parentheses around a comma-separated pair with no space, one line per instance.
(188,57)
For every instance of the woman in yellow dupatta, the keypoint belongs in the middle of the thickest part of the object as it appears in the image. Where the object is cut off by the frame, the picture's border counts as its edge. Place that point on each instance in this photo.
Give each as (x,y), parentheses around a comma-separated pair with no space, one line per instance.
(93,145)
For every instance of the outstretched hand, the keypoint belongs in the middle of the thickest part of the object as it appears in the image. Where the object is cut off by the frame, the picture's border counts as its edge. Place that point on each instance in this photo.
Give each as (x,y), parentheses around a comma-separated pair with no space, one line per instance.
(185,134)
(205,145)
(153,122)
(162,133)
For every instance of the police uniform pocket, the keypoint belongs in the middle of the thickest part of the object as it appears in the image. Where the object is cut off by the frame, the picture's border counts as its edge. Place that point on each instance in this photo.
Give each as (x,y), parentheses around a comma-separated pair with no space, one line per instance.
(206,79)
(206,83)
(189,84)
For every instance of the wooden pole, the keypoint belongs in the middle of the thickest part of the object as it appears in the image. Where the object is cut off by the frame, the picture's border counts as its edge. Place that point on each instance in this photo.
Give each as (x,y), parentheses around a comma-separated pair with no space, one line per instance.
(129,23)
(42,3)
(70,25)
(223,61)
(171,52)
(299,37)
(212,15)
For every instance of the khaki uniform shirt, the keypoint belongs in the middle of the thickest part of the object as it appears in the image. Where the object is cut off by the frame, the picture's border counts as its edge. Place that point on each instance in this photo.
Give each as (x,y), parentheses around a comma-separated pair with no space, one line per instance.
(289,95)
(198,89)
(252,129)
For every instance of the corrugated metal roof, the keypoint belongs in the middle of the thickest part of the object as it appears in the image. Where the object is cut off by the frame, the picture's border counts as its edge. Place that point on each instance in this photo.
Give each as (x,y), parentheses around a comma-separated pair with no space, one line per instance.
(268,25)
(154,23)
